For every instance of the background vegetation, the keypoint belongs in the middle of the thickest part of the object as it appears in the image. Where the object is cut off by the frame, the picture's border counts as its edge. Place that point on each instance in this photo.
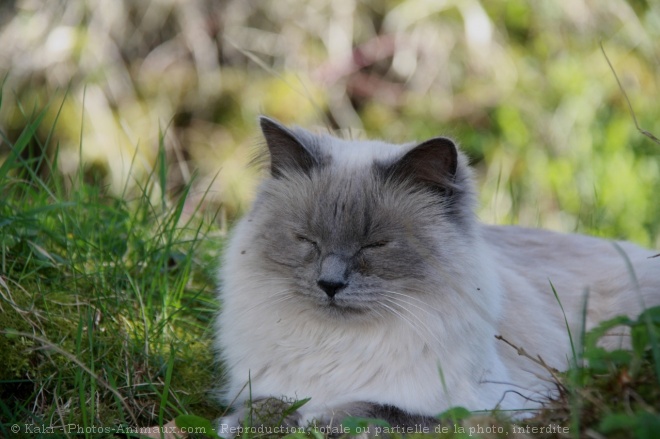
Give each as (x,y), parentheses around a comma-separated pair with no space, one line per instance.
(128,126)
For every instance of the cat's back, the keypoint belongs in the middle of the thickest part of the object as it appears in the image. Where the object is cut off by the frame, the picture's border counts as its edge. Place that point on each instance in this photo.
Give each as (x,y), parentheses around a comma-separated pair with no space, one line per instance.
(528,245)
(616,274)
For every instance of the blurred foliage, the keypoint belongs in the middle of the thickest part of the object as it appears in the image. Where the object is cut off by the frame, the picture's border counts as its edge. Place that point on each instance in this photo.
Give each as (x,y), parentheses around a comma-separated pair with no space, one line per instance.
(522,85)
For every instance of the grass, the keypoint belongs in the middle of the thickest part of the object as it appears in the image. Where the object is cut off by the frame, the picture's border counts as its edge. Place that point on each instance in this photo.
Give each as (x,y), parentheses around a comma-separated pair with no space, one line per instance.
(106,306)
(105,303)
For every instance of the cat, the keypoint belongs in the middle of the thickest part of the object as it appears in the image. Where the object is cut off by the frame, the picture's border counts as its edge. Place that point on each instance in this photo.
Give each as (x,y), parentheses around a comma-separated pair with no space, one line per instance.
(362,279)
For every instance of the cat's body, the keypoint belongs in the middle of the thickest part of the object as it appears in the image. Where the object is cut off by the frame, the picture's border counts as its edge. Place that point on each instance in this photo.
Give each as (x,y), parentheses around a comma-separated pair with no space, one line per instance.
(362,280)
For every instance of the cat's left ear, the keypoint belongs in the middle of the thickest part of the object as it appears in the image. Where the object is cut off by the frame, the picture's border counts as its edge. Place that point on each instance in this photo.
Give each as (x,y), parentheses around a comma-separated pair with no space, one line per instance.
(287,152)
(434,162)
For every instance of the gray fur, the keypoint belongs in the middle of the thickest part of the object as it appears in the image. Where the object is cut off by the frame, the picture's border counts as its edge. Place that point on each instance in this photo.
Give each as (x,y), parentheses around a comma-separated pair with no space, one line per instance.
(362,279)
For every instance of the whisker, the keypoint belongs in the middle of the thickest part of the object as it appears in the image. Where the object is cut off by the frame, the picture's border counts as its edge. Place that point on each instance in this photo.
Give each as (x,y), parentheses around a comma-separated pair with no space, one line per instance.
(404,318)
(265,281)
(423,325)
(426,305)
(388,292)
(471,299)
(279,297)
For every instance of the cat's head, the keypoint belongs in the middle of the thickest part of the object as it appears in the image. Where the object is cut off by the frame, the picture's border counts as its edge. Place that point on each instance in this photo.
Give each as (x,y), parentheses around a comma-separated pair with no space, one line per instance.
(359,228)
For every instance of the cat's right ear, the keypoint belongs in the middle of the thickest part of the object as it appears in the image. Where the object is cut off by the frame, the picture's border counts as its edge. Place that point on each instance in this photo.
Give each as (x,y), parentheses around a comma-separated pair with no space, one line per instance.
(433,163)
(286,151)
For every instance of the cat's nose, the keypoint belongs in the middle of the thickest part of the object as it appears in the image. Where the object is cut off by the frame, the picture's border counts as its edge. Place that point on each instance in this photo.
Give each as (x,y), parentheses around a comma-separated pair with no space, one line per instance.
(332,277)
(331,287)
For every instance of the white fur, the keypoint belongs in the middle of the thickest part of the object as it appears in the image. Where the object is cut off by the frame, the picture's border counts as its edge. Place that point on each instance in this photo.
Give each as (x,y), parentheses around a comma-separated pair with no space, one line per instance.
(394,364)
(388,364)
(499,286)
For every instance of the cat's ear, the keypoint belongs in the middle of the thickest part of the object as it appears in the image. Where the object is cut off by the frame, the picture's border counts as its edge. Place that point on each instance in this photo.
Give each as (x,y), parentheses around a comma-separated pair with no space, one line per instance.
(434,162)
(286,151)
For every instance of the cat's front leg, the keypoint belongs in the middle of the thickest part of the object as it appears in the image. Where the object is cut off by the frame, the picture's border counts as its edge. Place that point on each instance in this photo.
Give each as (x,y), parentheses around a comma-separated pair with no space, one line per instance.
(274,414)
(267,414)
(398,420)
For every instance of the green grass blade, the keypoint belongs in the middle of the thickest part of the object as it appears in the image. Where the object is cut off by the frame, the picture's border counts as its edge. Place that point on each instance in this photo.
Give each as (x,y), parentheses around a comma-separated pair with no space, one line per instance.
(81,382)
(22,142)
(162,167)
(655,343)
(112,382)
(2,87)
(166,386)
(575,367)
(568,328)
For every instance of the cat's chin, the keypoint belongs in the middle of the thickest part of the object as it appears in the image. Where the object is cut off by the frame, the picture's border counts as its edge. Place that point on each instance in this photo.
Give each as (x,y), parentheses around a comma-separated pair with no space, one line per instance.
(342,309)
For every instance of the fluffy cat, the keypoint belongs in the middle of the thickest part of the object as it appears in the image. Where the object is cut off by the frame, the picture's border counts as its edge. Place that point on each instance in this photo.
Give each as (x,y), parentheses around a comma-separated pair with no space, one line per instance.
(362,279)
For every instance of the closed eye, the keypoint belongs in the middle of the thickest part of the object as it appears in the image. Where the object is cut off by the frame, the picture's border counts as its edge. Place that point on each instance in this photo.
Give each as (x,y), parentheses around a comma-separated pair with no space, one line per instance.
(376,244)
(302,238)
